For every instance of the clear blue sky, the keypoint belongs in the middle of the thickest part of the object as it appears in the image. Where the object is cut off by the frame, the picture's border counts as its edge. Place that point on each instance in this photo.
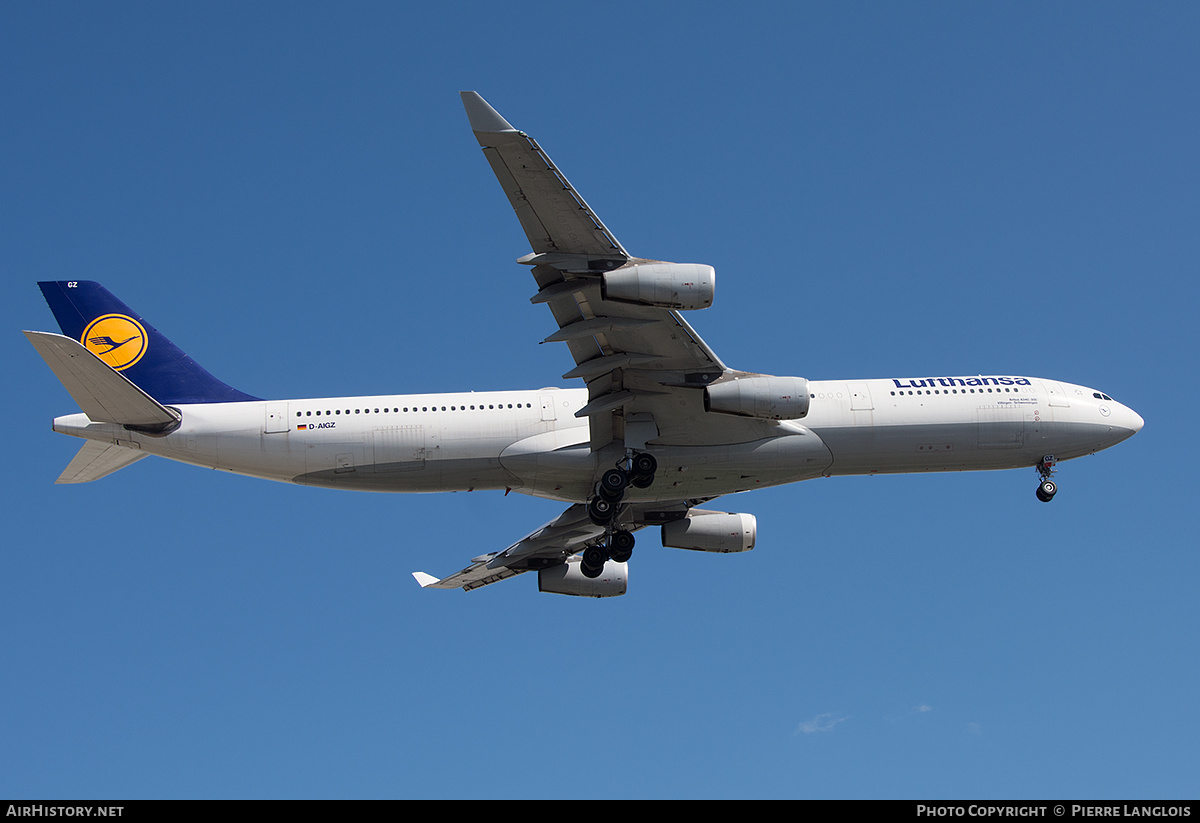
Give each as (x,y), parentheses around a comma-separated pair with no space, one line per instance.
(291,193)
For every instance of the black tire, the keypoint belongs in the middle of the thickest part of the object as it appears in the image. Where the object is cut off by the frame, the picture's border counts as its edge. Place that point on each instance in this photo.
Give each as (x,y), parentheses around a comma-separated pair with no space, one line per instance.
(601,511)
(1047,490)
(622,546)
(641,482)
(644,465)
(612,485)
(594,557)
(590,572)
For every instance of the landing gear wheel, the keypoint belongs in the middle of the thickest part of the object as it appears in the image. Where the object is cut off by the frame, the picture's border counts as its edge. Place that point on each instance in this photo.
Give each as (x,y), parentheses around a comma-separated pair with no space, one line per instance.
(641,470)
(1046,491)
(594,556)
(612,485)
(601,511)
(644,465)
(621,546)
(592,561)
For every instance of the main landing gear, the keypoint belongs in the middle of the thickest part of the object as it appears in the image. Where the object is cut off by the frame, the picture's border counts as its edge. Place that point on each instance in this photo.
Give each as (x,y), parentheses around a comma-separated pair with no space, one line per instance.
(1047,487)
(636,470)
(618,547)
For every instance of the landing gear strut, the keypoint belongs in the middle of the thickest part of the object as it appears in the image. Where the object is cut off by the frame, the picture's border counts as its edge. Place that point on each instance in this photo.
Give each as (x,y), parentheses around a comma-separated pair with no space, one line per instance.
(1047,487)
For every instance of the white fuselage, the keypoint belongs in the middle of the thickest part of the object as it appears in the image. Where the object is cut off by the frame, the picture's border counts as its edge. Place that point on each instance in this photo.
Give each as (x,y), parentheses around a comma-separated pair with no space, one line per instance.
(531,441)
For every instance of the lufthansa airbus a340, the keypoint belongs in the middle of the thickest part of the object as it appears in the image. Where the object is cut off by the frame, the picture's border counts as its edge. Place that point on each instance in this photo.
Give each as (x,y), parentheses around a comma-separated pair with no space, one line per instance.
(662,427)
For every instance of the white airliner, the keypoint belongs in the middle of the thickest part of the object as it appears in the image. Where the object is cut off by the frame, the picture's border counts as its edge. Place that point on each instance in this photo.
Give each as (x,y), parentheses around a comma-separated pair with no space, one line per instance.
(662,427)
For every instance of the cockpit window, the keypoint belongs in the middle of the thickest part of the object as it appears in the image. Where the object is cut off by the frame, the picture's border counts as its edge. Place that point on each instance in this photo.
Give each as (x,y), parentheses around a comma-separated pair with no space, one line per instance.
(1102,396)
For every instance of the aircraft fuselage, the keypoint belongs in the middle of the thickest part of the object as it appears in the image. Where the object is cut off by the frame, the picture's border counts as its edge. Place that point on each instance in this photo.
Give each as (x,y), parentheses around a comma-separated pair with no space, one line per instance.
(532,442)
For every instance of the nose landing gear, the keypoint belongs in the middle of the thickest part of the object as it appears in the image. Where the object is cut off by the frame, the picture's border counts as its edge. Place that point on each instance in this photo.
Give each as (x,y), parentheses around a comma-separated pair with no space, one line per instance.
(1047,487)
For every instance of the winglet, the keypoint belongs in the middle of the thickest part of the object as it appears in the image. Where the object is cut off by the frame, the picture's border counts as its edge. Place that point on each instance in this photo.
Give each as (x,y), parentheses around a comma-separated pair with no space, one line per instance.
(425,579)
(483,117)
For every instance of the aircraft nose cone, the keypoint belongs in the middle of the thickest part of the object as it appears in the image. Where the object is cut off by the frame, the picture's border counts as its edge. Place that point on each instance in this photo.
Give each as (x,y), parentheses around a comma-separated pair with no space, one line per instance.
(1136,421)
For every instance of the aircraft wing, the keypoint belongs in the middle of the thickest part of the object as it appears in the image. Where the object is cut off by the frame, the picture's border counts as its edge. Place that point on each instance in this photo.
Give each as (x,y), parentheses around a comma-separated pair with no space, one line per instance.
(644,366)
(554,216)
(549,547)
(563,536)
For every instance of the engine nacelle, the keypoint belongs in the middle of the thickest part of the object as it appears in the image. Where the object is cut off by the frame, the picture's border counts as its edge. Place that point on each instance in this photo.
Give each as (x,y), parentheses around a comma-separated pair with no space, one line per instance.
(567,578)
(762,396)
(668,285)
(706,531)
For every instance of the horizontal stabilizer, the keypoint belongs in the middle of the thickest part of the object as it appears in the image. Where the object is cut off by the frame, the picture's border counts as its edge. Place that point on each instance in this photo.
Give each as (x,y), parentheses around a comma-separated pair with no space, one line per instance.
(104,395)
(96,460)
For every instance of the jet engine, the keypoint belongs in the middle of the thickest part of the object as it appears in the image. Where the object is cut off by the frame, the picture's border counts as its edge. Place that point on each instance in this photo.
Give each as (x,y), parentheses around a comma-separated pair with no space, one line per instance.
(668,285)
(707,531)
(762,396)
(568,578)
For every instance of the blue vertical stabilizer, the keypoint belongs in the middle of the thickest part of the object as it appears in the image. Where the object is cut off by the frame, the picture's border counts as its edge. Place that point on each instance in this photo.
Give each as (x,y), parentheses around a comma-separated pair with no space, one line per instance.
(89,313)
